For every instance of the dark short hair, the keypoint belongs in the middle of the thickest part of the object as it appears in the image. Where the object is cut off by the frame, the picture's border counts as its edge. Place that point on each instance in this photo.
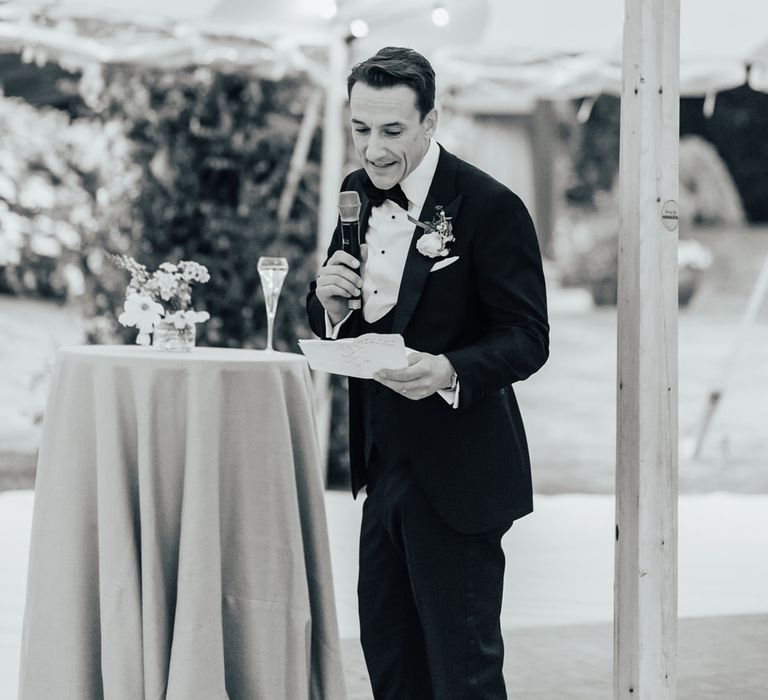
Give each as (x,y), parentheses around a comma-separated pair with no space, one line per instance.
(395,65)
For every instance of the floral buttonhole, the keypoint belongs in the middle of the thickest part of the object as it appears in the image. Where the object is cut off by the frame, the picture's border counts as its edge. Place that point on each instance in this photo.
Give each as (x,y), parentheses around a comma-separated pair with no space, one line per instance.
(437,236)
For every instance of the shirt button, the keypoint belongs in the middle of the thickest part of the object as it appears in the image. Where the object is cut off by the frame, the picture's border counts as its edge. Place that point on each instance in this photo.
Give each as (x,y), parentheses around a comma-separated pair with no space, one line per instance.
(375,291)
(383,251)
(393,216)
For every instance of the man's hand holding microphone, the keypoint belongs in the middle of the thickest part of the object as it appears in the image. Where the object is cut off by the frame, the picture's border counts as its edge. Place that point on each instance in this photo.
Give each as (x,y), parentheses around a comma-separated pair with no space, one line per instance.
(339,281)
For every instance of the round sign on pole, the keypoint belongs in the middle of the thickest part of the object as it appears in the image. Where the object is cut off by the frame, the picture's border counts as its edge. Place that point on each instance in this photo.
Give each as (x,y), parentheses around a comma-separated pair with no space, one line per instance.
(670,214)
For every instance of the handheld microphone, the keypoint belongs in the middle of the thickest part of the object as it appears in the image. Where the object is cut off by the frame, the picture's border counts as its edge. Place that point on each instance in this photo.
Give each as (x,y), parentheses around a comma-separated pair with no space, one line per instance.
(349,213)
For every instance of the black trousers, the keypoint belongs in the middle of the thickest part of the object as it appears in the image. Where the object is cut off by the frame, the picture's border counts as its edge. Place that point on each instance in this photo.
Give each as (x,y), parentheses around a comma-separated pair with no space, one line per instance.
(429,597)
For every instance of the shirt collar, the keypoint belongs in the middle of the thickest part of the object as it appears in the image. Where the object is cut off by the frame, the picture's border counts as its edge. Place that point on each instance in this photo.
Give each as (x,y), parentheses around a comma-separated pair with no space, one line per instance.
(416,185)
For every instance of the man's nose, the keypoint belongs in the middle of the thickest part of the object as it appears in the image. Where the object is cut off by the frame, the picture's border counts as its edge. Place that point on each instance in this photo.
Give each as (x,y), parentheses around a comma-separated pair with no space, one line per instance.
(375,148)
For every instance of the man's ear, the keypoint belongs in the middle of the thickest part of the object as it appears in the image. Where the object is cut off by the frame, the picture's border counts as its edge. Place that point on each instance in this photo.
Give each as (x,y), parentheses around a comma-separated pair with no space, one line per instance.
(430,122)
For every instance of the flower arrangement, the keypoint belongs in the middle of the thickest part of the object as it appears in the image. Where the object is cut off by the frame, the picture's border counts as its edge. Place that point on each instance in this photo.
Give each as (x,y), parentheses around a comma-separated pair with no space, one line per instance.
(162,297)
(439,233)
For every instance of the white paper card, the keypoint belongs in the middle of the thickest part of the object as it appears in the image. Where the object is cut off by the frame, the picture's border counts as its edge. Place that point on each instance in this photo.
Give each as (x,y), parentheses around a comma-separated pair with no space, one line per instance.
(356,357)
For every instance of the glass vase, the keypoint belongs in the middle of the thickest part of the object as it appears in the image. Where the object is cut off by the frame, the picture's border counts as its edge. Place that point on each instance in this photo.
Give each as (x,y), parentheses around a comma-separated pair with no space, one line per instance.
(167,336)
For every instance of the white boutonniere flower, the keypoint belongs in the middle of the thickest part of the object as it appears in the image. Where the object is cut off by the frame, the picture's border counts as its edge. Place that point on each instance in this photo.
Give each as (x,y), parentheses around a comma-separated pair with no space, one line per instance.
(433,243)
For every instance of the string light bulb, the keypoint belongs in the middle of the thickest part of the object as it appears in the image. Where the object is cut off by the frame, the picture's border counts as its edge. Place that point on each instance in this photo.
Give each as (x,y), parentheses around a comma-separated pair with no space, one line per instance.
(358,28)
(328,9)
(440,16)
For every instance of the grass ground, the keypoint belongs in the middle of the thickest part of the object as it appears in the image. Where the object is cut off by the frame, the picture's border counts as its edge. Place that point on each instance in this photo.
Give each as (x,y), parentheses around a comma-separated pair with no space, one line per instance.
(569,406)
(570,412)
(30,332)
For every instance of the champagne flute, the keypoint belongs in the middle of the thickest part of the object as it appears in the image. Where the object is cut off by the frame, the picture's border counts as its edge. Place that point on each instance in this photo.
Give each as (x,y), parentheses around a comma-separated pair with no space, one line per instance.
(272,272)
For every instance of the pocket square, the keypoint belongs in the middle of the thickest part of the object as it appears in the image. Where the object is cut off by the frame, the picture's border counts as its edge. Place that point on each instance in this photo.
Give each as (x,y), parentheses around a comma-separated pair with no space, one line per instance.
(440,264)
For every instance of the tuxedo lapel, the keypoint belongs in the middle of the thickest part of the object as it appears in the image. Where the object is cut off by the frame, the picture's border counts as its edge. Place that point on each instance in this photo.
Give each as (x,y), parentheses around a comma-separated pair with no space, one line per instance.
(417,266)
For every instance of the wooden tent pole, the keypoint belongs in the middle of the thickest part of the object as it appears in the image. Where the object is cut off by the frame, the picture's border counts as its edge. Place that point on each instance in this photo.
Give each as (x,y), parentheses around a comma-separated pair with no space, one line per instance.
(645,588)
(299,156)
(332,164)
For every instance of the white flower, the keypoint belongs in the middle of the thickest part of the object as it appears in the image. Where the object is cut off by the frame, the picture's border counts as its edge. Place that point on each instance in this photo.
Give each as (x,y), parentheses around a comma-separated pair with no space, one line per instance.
(181,319)
(143,338)
(168,267)
(432,245)
(193,272)
(178,319)
(141,312)
(198,316)
(167,283)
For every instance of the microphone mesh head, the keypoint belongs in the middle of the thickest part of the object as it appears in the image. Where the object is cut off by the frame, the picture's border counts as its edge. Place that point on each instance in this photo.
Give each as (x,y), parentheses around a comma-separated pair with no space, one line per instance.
(349,206)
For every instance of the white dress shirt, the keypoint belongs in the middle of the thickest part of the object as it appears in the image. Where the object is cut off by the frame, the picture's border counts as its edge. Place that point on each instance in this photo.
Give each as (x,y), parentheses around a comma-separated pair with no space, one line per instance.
(388,237)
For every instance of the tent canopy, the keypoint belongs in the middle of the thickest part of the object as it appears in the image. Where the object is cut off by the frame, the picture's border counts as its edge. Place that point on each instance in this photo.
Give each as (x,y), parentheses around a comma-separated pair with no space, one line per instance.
(493,56)
(558,48)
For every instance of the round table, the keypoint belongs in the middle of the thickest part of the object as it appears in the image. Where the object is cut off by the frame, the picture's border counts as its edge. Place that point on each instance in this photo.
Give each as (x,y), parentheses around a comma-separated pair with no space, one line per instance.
(179,544)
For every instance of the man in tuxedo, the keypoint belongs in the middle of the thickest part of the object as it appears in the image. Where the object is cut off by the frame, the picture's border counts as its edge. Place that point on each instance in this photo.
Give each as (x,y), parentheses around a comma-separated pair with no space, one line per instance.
(440,445)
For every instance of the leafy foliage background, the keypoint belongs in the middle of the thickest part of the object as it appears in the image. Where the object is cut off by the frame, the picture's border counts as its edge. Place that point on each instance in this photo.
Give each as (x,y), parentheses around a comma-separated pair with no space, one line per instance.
(64,185)
(213,149)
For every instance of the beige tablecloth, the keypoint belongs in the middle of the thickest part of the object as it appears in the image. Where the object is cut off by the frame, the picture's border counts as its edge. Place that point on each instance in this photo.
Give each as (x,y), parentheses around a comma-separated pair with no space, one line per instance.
(179,544)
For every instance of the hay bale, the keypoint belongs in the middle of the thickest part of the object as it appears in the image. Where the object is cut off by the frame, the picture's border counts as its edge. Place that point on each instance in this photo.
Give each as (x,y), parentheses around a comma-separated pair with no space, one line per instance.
(708,194)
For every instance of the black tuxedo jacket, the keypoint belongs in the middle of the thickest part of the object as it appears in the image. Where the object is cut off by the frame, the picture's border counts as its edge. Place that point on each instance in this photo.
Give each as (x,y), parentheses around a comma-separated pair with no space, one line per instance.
(487,313)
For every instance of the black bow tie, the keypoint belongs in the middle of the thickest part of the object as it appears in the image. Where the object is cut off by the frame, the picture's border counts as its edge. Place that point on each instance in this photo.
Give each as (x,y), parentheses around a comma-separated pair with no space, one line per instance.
(377,196)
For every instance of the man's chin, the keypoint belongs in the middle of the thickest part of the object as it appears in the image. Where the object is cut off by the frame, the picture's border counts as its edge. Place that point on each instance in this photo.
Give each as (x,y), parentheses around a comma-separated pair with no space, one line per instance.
(383,182)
